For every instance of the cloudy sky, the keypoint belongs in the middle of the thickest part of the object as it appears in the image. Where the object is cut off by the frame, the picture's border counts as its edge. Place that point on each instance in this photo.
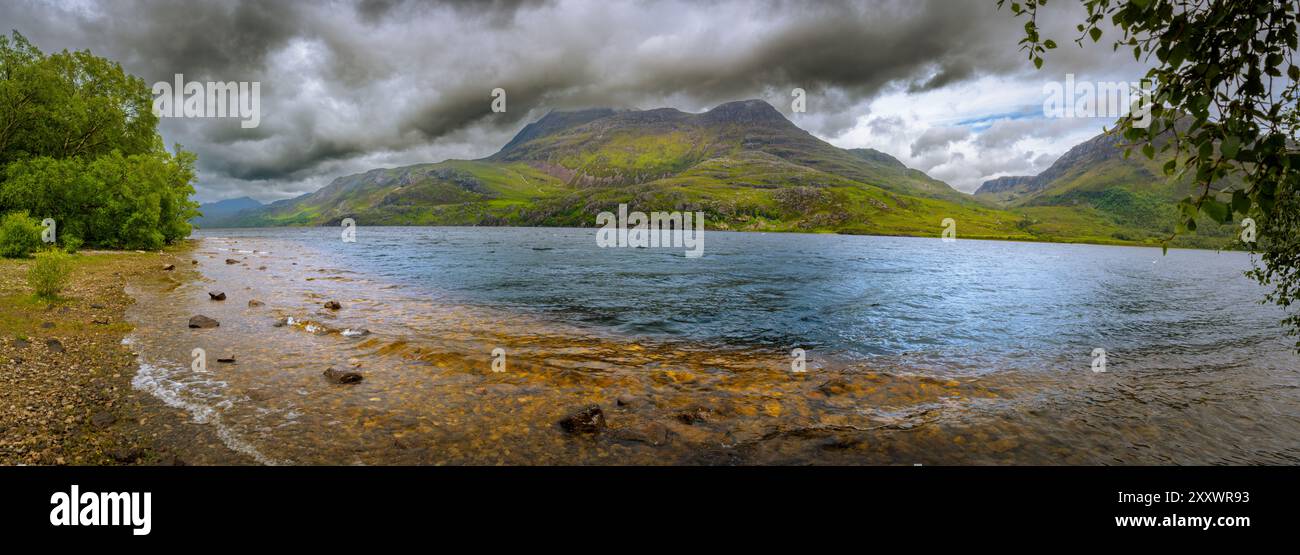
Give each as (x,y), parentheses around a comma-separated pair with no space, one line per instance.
(348,86)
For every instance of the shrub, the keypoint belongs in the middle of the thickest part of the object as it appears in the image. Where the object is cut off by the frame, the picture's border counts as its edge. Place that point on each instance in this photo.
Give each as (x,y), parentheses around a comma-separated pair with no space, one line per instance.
(71,244)
(20,235)
(48,274)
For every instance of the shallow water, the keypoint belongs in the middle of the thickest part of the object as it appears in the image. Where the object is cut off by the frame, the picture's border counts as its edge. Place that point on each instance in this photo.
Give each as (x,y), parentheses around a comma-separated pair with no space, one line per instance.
(918,351)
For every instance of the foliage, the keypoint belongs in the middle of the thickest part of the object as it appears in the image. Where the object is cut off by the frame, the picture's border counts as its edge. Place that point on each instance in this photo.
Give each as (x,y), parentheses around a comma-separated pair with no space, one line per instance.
(1225,86)
(20,235)
(78,143)
(49,273)
(71,244)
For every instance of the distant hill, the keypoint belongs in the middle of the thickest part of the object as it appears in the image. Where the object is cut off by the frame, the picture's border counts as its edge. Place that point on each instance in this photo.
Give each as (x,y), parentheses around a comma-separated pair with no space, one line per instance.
(1094,190)
(745,166)
(223,210)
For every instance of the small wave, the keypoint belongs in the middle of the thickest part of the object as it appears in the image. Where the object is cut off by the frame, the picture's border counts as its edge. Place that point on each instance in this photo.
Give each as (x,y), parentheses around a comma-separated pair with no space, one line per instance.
(156,381)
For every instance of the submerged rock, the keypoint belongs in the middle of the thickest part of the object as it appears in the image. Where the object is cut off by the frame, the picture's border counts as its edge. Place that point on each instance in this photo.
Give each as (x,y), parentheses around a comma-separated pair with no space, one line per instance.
(126,455)
(255,302)
(169,267)
(653,433)
(694,416)
(342,377)
(833,386)
(349,332)
(587,420)
(202,321)
(54,345)
(217,295)
(231,261)
(102,419)
(629,401)
(227,360)
(333,305)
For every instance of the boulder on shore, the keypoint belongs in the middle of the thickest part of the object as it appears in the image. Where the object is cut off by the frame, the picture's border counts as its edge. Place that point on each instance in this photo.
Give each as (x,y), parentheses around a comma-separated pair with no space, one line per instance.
(202,321)
(587,420)
(342,377)
(169,267)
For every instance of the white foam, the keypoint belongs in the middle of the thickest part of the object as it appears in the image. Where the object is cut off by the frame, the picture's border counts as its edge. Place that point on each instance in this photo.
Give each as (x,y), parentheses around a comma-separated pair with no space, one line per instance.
(158,382)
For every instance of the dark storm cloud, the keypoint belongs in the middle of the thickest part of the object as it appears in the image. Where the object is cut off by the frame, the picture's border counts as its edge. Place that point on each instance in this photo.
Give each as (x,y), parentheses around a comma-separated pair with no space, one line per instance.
(351,85)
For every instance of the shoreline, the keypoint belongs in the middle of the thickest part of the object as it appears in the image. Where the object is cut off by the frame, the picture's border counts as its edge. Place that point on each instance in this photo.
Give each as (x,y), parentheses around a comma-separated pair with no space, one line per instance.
(67,395)
(846,233)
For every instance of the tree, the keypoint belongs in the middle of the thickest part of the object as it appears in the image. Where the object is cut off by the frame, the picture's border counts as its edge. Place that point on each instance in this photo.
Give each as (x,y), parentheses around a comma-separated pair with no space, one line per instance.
(1224,100)
(79,144)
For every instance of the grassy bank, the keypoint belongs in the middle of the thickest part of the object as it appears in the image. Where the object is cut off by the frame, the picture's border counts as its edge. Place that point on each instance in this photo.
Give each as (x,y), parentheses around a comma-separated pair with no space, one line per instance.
(65,375)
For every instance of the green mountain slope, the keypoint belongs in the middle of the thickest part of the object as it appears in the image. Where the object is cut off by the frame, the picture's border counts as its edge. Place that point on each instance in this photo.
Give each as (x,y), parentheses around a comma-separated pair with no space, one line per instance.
(1094,192)
(742,163)
(747,168)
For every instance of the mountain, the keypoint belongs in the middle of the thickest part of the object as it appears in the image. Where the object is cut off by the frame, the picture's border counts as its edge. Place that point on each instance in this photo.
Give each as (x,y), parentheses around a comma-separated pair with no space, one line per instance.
(223,210)
(748,168)
(742,163)
(1093,191)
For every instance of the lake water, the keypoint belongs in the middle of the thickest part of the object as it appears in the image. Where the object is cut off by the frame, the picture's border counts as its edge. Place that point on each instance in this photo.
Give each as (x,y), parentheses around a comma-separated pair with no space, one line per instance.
(917,350)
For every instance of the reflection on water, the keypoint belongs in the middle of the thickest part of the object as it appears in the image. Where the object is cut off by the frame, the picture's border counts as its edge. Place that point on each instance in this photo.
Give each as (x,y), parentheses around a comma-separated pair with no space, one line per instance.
(919,351)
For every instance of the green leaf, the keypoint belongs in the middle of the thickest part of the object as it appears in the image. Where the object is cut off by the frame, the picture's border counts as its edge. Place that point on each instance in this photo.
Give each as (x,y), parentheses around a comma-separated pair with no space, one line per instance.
(1095,33)
(1204,151)
(1149,151)
(1049,44)
(1231,144)
(1240,202)
(1216,210)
